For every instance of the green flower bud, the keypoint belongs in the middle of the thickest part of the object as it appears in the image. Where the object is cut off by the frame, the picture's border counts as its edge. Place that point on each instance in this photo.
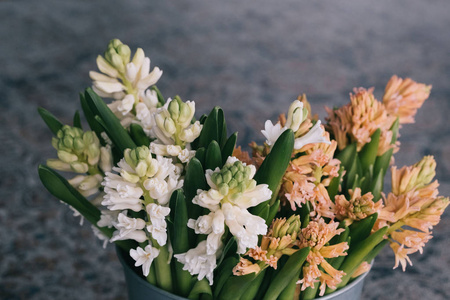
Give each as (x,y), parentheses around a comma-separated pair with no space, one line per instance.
(233,183)
(142,152)
(114,43)
(223,188)
(125,52)
(66,156)
(226,176)
(216,178)
(67,141)
(185,113)
(169,126)
(241,187)
(239,176)
(79,167)
(174,109)
(141,168)
(78,144)
(58,165)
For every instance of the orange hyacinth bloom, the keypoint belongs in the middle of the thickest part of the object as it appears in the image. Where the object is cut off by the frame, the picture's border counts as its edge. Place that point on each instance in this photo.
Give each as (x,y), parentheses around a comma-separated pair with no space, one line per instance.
(402,97)
(357,208)
(316,235)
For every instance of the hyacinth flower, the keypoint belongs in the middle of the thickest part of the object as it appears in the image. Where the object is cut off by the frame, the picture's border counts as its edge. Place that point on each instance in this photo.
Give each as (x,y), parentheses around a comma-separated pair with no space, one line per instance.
(357,208)
(143,184)
(80,152)
(232,191)
(403,97)
(412,209)
(279,240)
(174,131)
(316,236)
(127,81)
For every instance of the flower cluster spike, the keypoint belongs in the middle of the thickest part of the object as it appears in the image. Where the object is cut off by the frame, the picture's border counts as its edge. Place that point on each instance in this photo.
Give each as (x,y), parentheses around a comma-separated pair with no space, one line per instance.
(77,151)
(233,178)
(173,123)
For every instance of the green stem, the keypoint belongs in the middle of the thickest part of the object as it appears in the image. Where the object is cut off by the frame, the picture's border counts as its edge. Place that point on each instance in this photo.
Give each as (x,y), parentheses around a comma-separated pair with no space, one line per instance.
(162,269)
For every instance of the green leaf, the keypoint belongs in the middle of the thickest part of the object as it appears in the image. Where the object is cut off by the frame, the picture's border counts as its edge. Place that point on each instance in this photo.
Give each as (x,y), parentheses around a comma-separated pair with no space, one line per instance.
(368,153)
(236,286)
(221,128)
(273,212)
(275,164)
(213,157)
(52,122)
(77,120)
(114,129)
(222,273)
(229,146)
(310,293)
(230,247)
(59,187)
(382,163)
(200,154)
(200,288)
(179,217)
(90,118)
(394,128)
(138,135)
(358,252)
(377,186)
(282,278)
(347,156)
(289,292)
(360,230)
(210,129)
(333,188)
(254,287)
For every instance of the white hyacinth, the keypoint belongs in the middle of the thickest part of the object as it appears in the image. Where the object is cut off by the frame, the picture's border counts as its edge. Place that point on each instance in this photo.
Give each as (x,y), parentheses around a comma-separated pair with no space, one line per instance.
(127,81)
(144,257)
(158,226)
(197,262)
(129,229)
(232,191)
(296,116)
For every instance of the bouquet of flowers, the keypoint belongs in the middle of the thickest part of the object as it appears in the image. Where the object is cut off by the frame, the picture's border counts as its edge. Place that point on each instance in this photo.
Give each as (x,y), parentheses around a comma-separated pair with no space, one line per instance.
(299,217)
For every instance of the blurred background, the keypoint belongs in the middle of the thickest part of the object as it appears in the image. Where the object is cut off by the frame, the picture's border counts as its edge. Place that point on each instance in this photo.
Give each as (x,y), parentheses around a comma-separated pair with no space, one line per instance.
(250,57)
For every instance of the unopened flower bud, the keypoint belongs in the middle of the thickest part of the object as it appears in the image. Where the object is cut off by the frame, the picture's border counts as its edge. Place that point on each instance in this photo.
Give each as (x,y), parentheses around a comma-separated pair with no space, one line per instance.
(223,188)
(67,157)
(174,109)
(295,115)
(58,165)
(79,167)
(141,169)
(169,126)
(226,176)
(427,170)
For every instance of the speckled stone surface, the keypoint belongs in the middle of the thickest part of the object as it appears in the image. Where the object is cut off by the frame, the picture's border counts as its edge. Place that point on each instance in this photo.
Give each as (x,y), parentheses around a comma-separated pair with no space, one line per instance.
(252,58)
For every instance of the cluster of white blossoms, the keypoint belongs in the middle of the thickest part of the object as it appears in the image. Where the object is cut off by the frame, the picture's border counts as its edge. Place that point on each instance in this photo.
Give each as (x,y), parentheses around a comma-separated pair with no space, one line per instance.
(140,183)
(127,81)
(296,115)
(232,191)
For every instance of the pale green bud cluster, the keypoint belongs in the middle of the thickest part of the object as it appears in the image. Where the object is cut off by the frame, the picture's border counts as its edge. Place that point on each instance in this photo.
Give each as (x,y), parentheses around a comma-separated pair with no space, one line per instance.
(77,150)
(283,227)
(235,177)
(175,121)
(427,171)
(118,55)
(141,160)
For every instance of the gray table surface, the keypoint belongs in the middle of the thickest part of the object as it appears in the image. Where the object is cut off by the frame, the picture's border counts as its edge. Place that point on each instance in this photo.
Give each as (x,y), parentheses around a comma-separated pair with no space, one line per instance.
(250,57)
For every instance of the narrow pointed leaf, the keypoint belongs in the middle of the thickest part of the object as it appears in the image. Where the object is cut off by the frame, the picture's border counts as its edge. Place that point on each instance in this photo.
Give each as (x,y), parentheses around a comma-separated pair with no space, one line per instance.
(222,128)
(361,230)
(229,146)
(254,287)
(272,212)
(77,120)
(368,153)
(52,122)
(377,186)
(90,118)
(138,135)
(347,155)
(210,130)
(358,252)
(335,183)
(289,291)
(213,157)
(115,130)
(223,273)
(200,290)
(275,164)
(286,274)
(236,286)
